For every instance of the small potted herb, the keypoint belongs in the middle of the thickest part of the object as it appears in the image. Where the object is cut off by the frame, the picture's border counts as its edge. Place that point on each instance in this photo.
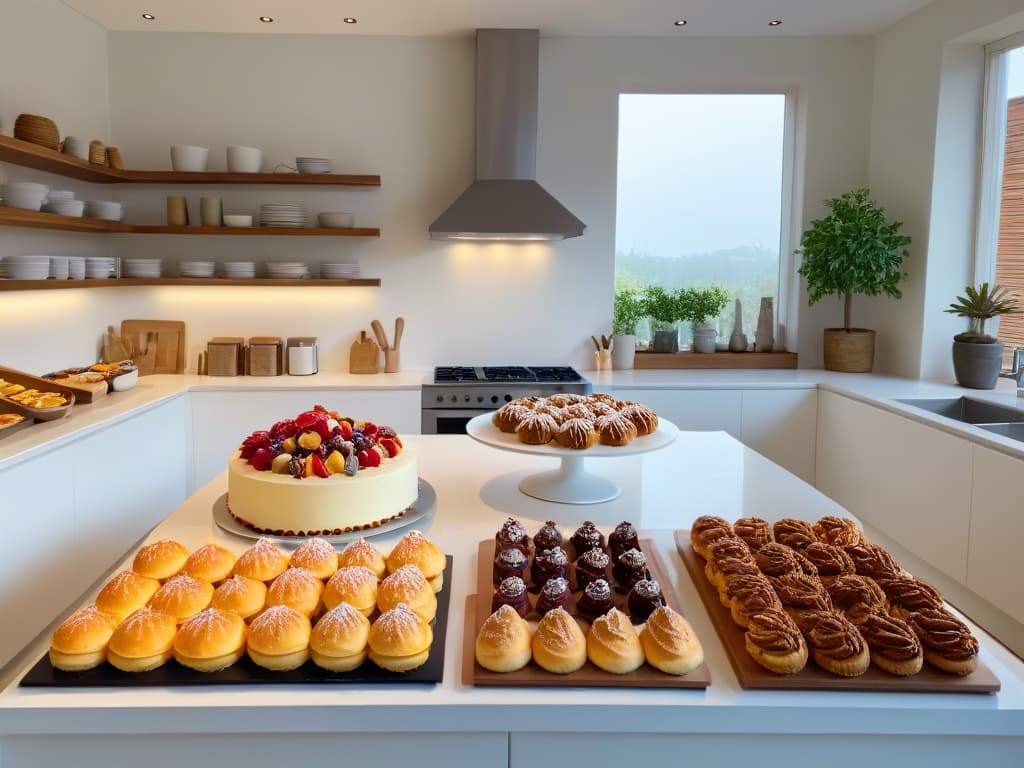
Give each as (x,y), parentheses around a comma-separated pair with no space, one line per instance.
(628,311)
(976,355)
(698,305)
(662,307)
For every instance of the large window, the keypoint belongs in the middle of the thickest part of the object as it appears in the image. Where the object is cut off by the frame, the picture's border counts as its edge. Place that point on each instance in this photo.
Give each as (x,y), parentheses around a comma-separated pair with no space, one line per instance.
(700,197)
(1001,230)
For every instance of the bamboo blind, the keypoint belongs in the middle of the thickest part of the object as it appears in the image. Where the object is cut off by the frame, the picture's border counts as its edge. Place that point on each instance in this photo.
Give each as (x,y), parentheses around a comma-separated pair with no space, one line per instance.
(1010,251)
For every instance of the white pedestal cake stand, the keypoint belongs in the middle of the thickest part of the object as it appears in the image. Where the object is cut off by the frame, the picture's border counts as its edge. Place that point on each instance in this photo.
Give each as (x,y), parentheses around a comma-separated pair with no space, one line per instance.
(570,483)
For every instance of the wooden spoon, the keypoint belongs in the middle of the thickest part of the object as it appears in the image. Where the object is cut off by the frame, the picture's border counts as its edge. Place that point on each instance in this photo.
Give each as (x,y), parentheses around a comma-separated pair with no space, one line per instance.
(399,329)
(378,331)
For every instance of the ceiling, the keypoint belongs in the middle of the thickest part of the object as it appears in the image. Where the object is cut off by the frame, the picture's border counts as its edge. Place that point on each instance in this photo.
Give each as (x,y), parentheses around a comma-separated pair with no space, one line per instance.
(460,17)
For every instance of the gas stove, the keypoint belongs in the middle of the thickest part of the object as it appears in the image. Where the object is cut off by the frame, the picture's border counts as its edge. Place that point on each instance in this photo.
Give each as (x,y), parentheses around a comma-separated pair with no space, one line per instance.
(459,393)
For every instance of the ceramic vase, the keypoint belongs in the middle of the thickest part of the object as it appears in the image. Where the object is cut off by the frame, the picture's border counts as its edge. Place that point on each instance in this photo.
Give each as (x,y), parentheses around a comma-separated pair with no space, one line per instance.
(764,339)
(623,348)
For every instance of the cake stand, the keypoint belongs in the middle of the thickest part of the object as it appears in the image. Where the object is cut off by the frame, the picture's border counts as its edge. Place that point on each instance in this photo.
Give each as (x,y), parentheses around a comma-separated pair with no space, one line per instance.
(570,483)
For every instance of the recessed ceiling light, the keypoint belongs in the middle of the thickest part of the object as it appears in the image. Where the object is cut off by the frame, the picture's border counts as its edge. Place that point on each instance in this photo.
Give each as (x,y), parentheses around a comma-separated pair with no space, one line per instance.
(680,22)
(349,20)
(148,16)
(266,19)
(775,23)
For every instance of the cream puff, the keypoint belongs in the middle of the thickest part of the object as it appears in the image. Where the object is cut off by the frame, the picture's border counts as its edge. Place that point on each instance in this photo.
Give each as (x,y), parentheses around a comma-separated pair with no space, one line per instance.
(210,563)
(559,645)
(339,639)
(143,641)
(409,586)
(503,642)
(400,640)
(354,585)
(80,642)
(279,639)
(241,595)
(317,556)
(160,560)
(416,549)
(210,641)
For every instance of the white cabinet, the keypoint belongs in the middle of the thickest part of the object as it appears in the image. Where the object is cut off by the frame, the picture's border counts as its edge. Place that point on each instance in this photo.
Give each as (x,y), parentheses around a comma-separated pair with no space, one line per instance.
(908,480)
(222,419)
(698,410)
(997,529)
(781,425)
(37,549)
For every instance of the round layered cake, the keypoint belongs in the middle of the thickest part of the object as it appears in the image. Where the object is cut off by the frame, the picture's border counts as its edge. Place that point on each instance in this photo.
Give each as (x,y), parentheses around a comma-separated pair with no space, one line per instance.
(321,474)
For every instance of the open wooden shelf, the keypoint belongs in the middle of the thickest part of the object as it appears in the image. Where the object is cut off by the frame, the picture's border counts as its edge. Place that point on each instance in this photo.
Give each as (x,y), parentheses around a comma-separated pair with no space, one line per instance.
(31,155)
(715,360)
(126,282)
(17,217)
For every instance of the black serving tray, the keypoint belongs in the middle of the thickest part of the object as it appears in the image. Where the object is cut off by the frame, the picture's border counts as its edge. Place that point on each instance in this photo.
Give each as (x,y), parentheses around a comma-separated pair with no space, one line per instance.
(245,672)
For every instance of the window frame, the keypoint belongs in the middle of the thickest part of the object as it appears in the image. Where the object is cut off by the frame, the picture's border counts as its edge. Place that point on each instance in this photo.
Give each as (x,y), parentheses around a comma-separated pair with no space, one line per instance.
(788,292)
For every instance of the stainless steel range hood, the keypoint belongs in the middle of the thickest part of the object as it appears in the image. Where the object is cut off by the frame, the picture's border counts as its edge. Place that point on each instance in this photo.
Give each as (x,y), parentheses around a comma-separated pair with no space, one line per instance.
(505,202)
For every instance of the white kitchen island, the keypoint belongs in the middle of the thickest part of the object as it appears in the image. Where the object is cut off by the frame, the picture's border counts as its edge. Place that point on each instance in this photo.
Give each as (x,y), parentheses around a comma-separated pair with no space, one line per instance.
(455,724)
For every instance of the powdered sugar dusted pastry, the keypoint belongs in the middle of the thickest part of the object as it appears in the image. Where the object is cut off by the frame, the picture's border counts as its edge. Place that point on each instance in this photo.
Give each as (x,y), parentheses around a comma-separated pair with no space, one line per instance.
(615,429)
(507,417)
(613,644)
(536,429)
(670,643)
(578,434)
(511,591)
(558,414)
(586,537)
(503,642)
(754,531)
(578,411)
(558,644)
(644,419)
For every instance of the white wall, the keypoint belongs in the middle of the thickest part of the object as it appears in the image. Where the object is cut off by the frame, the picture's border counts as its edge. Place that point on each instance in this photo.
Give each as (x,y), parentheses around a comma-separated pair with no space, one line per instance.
(924,165)
(403,107)
(53,62)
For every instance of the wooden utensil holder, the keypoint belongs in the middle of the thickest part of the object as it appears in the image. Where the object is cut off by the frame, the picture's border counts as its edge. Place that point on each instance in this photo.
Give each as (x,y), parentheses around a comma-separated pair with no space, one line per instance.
(391,361)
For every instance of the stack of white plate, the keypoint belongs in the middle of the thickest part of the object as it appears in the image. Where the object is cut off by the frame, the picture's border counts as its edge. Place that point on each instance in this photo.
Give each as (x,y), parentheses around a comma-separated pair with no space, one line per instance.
(65,206)
(99,267)
(240,270)
(24,194)
(104,209)
(197,268)
(77,146)
(337,271)
(287,269)
(282,215)
(27,267)
(76,267)
(140,267)
(59,267)
(60,194)
(313,164)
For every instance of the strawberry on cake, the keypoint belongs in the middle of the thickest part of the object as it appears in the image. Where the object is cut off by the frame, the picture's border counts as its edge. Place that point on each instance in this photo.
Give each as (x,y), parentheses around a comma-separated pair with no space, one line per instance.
(320,474)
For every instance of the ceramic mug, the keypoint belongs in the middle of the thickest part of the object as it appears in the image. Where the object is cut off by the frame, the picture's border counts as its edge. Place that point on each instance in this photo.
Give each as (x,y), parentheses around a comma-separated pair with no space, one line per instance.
(210,212)
(177,211)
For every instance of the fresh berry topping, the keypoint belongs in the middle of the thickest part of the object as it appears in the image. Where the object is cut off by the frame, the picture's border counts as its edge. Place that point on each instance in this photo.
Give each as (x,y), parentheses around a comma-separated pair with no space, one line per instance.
(361,442)
(320,409)
(313,421)
(363,457)
(261,460)
(391,446)
(383,431)
(346,429)
(283,429)
(369,428)
(338,443)
(351,464)
(323,451)
(318,466)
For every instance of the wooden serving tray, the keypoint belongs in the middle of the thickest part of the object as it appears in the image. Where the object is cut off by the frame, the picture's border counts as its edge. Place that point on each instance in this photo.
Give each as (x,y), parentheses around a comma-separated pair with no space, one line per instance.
(10,429)
(752,675)
(43,385)
(85,391)
(590,676)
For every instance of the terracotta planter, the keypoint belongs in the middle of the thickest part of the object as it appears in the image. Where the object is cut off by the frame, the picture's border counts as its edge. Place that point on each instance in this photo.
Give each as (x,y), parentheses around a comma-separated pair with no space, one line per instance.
(977,365)
(851,351)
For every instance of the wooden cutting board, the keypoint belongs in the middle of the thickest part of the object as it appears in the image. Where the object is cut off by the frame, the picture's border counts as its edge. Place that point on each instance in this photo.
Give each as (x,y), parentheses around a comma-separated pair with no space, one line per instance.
(86,391)
(170,343)
(364,354)
(752,675)
(590,675)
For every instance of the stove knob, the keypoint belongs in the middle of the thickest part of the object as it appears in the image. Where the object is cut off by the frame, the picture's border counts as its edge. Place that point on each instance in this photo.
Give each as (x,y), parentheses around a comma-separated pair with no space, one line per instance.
(494,398)
(508,398)
(479,399)
(455,398)
(440,398)
(466,398)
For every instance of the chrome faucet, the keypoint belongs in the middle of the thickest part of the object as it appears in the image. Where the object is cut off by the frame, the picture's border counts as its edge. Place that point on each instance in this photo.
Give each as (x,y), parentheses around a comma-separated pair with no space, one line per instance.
(1017,370)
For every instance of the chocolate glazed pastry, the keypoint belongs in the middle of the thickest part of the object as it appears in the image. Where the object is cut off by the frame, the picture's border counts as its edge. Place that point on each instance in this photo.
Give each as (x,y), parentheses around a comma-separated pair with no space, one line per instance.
(776,559)
(829,560)
(586,538)
(509,562)
(591,567)
(834,642)
(511,592)
(555,594)
(838,531)
(548,537)
(801,593)
(948,643)
(631,568)
(623,539)
(705,530)
(643,599)
(549,564)
(754,531)
(856,596)
(775,642)
(871,560)
(893,645)
(512,536)
(908,595)
(794,533)
(596,600)
(747,595)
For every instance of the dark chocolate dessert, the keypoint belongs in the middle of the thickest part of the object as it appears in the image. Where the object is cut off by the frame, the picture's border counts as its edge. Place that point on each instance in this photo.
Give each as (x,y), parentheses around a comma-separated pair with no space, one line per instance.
(586,538)
(623,539)
(596,600)
(512,536)
(592,566)
(512,591)
(549,564)
(555,594)
(509,562)
(644,598)
(548,537)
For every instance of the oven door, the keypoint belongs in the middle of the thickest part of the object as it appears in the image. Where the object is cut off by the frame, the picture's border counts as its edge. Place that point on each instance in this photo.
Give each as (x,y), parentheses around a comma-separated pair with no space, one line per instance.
(448,421)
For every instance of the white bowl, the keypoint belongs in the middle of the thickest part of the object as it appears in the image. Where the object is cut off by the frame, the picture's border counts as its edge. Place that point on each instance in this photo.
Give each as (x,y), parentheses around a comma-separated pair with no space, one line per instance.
(237,220)
(125,381)
(65,207)
(22,186)
(313,165)
(336,219)
(245,159)
(60,194)
(29,201)
(104,209)
(189,159)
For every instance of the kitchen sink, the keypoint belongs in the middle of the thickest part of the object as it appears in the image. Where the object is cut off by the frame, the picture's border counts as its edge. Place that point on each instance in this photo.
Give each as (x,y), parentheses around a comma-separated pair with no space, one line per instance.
(971,411)
(1014,430)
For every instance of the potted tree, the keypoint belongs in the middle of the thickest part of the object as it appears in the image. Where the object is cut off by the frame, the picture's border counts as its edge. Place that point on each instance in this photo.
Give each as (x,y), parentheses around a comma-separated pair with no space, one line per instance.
(852,250)
(976,355)
(698,305)
(627,312)
(662,307)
